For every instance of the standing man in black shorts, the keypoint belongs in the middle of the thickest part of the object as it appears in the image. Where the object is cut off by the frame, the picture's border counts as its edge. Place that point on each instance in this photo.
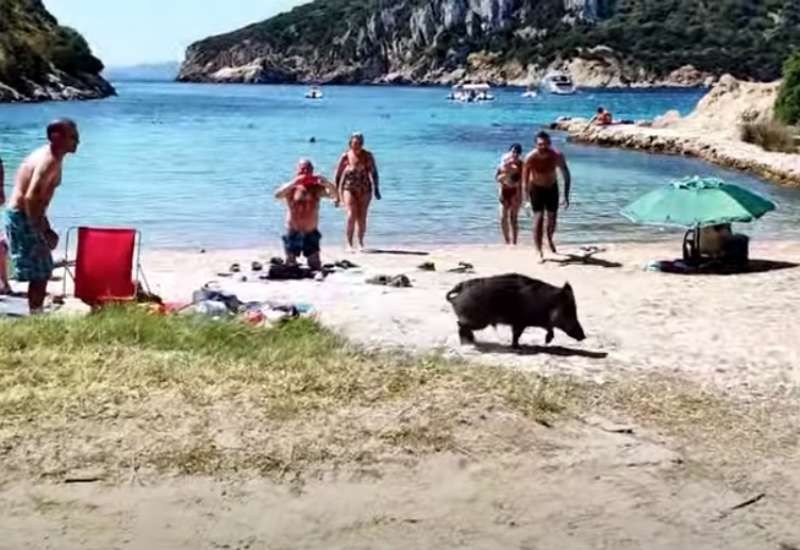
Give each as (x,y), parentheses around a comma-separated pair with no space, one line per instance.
(541,181)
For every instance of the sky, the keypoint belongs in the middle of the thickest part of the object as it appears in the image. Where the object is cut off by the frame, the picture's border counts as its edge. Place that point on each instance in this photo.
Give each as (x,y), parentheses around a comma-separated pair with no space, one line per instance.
(129,32)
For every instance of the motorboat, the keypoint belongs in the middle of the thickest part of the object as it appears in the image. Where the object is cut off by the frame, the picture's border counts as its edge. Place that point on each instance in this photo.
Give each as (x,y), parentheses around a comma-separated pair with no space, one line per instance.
(558,83)
(471,93)
(314,93)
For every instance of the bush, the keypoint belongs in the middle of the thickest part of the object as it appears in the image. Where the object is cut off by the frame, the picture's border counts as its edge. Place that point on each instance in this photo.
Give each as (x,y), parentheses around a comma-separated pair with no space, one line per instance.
(770,136)
(72,54)
(787,107)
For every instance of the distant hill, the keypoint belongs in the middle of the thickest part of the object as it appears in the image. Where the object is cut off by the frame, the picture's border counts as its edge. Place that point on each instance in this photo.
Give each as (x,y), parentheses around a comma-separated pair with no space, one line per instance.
(145,72)
(602,42)
(41,60)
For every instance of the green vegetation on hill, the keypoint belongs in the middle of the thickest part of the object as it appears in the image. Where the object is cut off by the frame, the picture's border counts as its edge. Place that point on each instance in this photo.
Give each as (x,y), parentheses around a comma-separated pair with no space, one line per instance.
(747,38)
(31,40)
(787,107)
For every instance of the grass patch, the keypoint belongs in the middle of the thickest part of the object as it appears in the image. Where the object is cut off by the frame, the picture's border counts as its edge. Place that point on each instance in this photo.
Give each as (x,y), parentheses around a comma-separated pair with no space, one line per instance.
(125,389)
(770,136)
(294,395)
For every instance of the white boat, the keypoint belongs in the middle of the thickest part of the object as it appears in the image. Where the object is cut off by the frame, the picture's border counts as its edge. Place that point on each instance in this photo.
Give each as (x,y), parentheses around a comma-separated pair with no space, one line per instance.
(314,93)
(471,93)
(530,93)
(558,83)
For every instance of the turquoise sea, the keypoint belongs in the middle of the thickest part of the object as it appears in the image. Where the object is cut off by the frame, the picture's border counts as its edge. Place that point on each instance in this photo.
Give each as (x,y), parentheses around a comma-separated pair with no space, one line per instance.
(195,165)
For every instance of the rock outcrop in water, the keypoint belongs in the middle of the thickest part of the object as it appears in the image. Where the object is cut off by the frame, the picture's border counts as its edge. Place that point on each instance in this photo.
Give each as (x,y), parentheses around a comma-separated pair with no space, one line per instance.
(711,131)
(41,60)
(602,42)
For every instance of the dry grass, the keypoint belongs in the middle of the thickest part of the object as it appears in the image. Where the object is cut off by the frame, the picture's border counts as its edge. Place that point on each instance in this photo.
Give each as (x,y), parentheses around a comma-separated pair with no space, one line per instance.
(770,136)
(126,391)
(202,397)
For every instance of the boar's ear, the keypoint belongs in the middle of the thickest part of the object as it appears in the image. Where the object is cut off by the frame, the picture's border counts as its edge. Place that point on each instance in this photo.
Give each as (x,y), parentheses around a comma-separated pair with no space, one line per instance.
(568,288)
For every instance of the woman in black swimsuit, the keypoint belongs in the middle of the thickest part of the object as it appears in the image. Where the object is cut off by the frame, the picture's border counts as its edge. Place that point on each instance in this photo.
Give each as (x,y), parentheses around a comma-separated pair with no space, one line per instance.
(509,179)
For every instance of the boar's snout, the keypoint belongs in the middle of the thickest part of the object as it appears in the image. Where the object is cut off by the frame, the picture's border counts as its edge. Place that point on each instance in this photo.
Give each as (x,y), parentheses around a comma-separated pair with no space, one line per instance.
(576,332)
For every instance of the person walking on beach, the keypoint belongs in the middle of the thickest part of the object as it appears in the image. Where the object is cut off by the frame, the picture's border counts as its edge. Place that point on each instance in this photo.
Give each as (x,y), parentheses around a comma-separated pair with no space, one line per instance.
(30,237)
(541,182)
(509,179)
(357,181)
(302,196)
(5,287)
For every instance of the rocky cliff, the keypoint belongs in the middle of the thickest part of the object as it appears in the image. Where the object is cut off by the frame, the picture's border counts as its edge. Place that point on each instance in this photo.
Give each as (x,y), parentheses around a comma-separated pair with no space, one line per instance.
(602,42)
(41,60)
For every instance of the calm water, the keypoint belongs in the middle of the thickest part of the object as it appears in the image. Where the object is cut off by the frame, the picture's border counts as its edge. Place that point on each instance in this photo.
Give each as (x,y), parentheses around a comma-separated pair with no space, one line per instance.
(195,165)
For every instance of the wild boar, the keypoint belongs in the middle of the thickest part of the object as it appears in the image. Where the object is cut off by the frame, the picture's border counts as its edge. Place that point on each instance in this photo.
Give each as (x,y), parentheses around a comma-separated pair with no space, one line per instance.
(514,300)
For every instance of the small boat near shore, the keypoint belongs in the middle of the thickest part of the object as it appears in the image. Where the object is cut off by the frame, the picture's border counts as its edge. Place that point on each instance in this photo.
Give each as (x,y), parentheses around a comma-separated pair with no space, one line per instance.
(530,93)
(558,83)
(471,93)
(315,92)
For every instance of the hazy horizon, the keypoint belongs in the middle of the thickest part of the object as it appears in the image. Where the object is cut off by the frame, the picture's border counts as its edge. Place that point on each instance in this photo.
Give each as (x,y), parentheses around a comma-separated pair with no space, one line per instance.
(153,31)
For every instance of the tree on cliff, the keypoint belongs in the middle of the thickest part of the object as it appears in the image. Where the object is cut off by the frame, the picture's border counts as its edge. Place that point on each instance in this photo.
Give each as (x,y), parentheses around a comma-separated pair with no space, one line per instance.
(787,107)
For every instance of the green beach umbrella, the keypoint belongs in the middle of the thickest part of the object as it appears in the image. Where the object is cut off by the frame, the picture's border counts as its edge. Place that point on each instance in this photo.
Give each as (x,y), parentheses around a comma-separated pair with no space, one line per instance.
(698,202)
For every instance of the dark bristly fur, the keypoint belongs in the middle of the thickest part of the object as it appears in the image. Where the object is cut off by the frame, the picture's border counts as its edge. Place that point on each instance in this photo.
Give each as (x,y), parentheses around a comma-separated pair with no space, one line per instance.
(517,301)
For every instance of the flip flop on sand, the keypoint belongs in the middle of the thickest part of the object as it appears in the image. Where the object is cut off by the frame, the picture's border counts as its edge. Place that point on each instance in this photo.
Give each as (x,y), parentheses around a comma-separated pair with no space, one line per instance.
(427,266)
(398,281)
(257,266)
(235,268)
(463,267)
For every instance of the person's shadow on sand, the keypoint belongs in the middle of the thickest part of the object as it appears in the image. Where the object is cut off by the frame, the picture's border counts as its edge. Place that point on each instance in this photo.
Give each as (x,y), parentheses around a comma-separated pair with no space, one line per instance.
(558,351)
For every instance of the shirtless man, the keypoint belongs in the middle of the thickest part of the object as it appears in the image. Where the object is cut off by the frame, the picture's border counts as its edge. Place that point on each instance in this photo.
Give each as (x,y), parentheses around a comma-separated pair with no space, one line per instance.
(540,180)
(302,196)
(28,230)
(5,287)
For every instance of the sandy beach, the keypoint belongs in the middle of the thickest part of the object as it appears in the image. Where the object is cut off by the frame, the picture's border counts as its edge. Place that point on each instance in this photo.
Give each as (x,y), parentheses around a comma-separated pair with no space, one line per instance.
(687,437)
(733,332)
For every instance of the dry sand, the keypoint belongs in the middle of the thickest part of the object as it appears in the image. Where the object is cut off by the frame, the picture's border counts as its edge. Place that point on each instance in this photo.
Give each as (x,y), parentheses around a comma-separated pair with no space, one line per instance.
(582,483)
(735,332)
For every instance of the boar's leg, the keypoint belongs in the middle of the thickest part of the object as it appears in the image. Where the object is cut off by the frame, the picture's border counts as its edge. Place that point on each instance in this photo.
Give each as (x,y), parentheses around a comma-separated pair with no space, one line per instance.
(550,336)
(517,331)
(466,335)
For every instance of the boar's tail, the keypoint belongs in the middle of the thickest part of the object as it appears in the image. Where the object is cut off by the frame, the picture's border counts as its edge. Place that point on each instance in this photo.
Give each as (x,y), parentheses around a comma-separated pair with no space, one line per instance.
(455,292)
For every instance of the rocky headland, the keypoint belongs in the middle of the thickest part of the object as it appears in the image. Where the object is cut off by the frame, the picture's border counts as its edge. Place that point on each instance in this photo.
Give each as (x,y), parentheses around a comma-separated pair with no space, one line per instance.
(602,43)
(41,60)
(711,132)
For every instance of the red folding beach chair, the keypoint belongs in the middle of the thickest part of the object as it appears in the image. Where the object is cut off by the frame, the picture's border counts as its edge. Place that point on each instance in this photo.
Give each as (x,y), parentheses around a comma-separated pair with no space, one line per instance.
(104,265)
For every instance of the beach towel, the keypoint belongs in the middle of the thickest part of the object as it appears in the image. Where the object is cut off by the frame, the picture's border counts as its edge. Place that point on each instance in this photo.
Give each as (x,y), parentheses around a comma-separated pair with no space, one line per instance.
(30,256)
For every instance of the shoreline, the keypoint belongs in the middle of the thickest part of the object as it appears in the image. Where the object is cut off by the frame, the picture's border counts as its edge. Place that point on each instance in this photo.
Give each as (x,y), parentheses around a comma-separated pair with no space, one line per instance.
(779,168)
(712,132)
(338,247)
